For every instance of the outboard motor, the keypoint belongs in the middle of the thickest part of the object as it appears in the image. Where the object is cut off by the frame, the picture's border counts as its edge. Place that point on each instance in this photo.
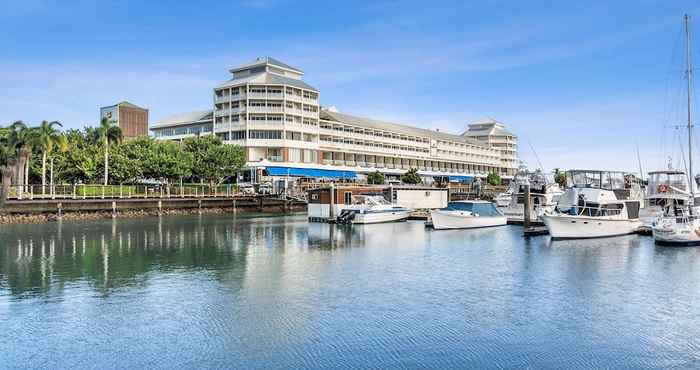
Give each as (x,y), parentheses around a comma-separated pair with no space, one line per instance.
(345,217)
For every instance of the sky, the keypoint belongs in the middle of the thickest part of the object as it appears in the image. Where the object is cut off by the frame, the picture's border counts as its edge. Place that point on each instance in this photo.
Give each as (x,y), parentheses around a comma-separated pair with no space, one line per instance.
(582,83)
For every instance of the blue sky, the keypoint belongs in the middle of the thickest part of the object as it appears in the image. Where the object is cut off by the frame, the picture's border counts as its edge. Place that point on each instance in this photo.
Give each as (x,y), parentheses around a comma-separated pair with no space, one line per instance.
(583,82)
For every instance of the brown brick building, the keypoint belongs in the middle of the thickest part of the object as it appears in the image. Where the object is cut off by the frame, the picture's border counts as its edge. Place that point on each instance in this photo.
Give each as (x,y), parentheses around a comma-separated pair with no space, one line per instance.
(132,119)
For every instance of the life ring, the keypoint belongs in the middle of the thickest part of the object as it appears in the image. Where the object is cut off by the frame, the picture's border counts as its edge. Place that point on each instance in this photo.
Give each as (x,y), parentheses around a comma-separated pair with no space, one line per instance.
(663,188)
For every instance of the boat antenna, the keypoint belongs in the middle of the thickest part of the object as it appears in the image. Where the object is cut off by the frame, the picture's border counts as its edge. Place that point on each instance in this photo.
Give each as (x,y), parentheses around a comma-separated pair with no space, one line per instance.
(538,161)
(689,78)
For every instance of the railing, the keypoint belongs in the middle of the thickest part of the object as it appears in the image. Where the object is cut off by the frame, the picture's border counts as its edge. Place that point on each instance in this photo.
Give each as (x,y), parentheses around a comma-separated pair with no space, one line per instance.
(37,192)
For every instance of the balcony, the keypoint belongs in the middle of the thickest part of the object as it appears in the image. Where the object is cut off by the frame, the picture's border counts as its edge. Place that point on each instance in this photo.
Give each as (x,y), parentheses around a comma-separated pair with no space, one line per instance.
(268,109)
(223,112)
(252,95)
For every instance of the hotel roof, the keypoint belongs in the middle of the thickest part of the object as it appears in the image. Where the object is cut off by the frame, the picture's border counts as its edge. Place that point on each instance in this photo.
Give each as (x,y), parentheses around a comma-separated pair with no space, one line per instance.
(268,79)
(394,127)
(184,118)
(260,61)
(487,126)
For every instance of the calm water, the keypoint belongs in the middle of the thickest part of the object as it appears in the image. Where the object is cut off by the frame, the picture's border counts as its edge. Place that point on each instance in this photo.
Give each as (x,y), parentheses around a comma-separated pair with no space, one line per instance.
(221,292)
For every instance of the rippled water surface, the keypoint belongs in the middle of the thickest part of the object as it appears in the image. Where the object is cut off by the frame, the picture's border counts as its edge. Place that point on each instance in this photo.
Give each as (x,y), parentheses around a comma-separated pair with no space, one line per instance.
(278,292)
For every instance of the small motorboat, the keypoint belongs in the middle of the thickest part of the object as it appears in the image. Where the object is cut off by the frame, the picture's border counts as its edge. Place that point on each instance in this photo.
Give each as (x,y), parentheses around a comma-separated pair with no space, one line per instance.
(372,209)
(467,214)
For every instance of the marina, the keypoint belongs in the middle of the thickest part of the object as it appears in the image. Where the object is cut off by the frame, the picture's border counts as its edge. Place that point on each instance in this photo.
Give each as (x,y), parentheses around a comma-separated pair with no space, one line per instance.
(349,185)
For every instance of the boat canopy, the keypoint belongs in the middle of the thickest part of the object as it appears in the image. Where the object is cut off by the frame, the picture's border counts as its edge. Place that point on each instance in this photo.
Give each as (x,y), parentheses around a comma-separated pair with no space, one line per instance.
(667,184)
(481,208)
(607,180)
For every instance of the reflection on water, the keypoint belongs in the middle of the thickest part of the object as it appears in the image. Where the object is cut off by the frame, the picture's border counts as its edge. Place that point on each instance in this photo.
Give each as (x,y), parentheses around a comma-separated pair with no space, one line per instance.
(278,292)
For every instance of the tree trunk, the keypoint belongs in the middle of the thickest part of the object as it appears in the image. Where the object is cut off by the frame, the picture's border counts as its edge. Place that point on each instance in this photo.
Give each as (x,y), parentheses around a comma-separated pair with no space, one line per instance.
(43,172)
(8,172)
(106,161)
(51,177)
(22,166)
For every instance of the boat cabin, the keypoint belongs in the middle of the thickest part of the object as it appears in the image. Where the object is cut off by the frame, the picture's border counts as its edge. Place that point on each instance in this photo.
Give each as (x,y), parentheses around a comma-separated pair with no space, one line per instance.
(328,202)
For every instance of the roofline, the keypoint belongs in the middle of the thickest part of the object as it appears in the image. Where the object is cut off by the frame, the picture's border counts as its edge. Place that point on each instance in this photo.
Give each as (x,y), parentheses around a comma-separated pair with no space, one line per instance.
(173,124)
(266,62)
(457,138)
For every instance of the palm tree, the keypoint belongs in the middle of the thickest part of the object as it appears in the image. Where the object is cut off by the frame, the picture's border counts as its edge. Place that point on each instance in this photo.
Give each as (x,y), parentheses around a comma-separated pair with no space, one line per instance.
(108,134)
(47,137)
(22,138)
(8,162)
(62,145)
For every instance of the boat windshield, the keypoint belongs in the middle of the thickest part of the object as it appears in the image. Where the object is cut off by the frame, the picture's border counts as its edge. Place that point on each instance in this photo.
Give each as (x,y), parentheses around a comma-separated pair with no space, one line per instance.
(371,200)
(482,209)
(667,182)
(595,179)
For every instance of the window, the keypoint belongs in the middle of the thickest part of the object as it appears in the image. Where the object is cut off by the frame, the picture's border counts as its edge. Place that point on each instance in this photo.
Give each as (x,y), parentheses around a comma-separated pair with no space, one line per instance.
(265,134)
(348,197)
(294,154)
(222,135)
(237,135)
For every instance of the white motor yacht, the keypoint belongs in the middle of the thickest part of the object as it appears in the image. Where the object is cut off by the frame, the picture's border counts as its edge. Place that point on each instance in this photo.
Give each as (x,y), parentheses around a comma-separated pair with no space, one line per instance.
(596,204)
(467,214)
(665,188)
(372,209)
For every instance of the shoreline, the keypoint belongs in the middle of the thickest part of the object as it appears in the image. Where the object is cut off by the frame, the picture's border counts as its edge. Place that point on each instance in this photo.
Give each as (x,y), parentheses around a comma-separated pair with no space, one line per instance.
(7,218)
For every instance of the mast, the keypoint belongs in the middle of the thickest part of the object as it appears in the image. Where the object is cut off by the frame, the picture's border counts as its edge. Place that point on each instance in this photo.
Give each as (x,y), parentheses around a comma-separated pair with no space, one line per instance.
(689,77)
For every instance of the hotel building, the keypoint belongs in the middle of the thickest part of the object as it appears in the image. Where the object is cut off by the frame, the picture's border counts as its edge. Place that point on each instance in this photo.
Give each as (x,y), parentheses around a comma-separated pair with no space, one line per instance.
(277,118)
(132,119)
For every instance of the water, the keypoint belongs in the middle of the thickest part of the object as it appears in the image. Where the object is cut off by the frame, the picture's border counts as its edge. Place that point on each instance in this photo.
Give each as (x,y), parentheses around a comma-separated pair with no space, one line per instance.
(221,292)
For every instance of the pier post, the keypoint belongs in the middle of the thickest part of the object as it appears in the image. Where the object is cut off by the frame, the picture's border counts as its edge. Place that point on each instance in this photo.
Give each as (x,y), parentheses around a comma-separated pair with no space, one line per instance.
(73,191)
(60,210)
(526,206)
(160,207)
(331,210)
(114,209)
(261,201)
(234,205)
(199,203)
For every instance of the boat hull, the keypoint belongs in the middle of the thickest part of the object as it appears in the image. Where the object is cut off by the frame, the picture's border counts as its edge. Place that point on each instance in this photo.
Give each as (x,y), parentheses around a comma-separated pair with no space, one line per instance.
(678,234)
(581,227)
(444,220)
(380,217)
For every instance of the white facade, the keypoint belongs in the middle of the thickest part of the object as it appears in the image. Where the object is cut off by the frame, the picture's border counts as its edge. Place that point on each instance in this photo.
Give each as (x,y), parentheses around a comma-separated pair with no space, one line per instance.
(277,118)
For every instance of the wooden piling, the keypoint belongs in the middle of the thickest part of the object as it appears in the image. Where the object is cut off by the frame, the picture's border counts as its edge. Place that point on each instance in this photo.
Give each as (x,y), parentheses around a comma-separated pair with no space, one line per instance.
(526,206)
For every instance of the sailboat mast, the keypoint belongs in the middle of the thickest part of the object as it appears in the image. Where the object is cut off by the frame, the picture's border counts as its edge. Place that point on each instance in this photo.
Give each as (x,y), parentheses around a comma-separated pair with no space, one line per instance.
(689,77)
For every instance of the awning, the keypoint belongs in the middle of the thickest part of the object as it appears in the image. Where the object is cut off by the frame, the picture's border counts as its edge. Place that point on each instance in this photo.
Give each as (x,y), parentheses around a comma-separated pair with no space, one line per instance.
(461,178)
(309,172)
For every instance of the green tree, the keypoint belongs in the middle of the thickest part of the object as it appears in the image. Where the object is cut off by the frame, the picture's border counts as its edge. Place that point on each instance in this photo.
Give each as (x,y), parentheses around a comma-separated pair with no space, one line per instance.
(47,136)
(493,179)
(108,134)
(213,161)
(560,177)
(411,177)
(375,178)
(62,145)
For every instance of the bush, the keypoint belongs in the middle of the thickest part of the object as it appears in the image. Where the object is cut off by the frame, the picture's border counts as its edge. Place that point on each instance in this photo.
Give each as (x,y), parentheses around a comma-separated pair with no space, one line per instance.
(411,177)
(375,178)
(493,179)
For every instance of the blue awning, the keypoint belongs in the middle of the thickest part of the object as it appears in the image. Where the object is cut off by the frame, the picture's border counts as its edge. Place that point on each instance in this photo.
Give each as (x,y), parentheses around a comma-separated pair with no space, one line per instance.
(310,172)
(461,178)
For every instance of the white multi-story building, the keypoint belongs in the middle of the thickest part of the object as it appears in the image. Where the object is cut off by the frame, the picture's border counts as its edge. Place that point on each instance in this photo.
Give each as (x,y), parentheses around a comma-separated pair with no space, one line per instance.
(277,118)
